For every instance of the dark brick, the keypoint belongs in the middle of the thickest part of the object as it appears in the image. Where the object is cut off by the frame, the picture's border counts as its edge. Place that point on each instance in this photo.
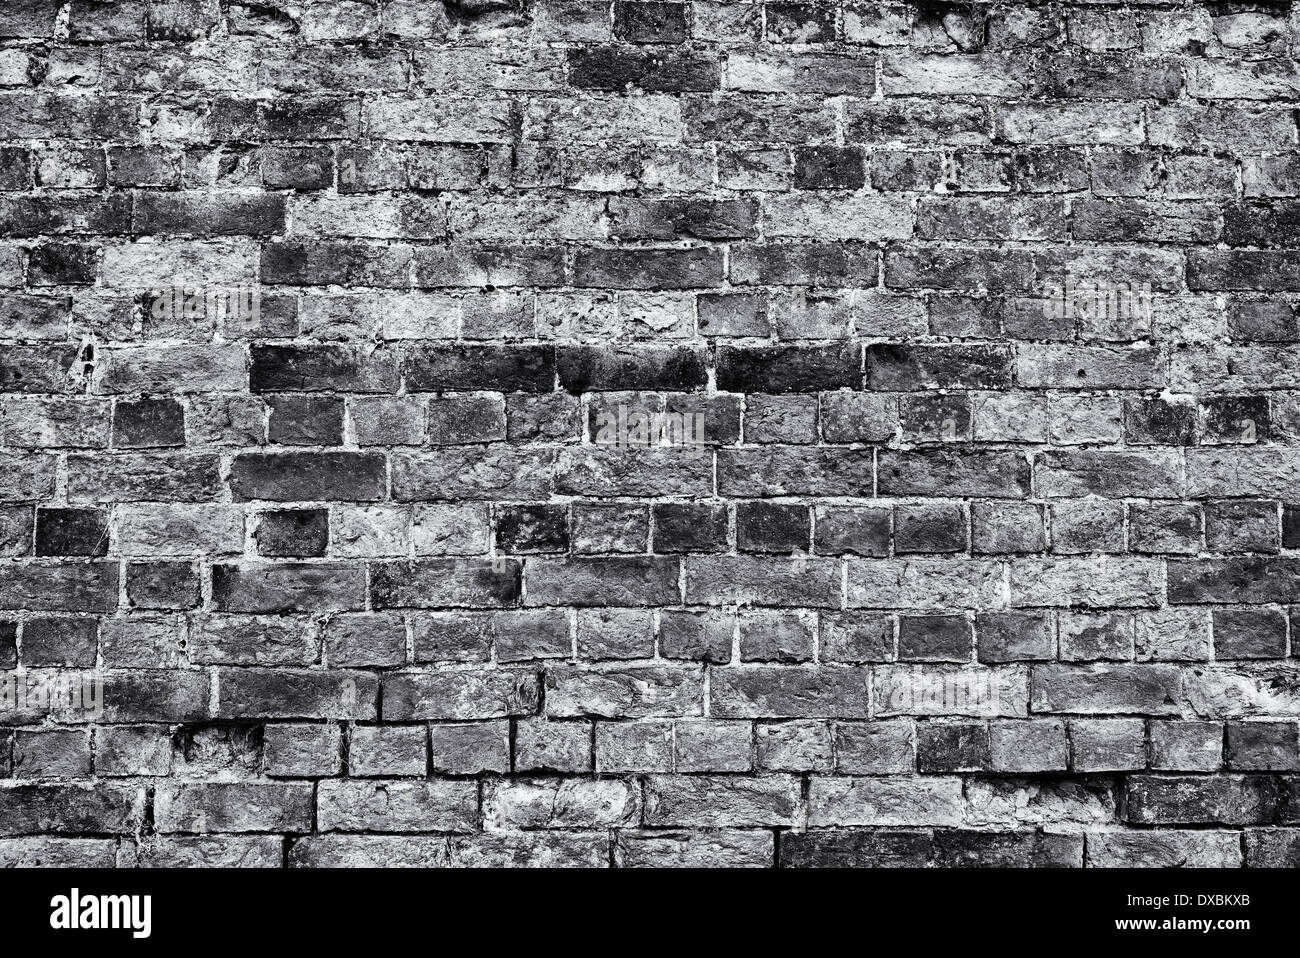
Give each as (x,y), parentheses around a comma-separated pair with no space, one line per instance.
(585,368)
(927,367)
(308,476)
(647,269)
(616,69)
(783,369)
(930,528)
(859,531)
(690,527)
(288,587)
(305,420)
(62,264)
(649,21)
(71,532)
(145,423)
(435,368)
(934,638)
(772,527)
(293,533)
(828,167)
(162,585)
(322,368)
(1236,419)
(66,642)
(953,748)
(8,645)
(521,529)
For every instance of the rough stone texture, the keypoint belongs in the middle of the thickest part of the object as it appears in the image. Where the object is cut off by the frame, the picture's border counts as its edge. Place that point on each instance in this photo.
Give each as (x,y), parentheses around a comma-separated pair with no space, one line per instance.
(669,433)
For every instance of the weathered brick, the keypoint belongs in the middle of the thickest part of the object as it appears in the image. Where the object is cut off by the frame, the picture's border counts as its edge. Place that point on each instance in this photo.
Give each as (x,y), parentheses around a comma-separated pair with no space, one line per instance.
(1148,689)
(885,801)
(104,808)
(1184,799)
(432,806)
(459,695)
(1166,848)
(703,801)
(202,807)
(561,803)
(633,692)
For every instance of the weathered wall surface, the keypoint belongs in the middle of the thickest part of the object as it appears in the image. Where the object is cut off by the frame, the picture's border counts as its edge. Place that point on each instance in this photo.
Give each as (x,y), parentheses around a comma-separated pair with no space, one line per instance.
(969,329)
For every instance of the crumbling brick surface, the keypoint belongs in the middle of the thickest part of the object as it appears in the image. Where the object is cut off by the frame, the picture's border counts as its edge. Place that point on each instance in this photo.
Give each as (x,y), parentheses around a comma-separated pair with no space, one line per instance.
(564,432)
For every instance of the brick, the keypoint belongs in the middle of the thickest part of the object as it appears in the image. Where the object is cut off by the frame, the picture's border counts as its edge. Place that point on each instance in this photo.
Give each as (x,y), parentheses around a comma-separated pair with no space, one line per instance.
(721,801)
(295,693)
(1249,633)
(923,584)
(1006,802)
(953,748)
(88,587)
(458,695)
(306,751)
(1271,848)
(1028,746)
(432,806)
(1262,746)
(1172,848)
(1247,580)
(308,476)
(865,748)
(656,269)
(575,849)
(143,477)
(387,751)
(734,848)
(105,808)
(634,692)
(922,473)
(913,848)
(787,369)
(561,803)
(233,807)
(702,637)
(775,691)
(650,22)
(529,634)
(1185,746)
(1182,799)
(885,801)
(601,581)
(1088,582)
(713,746)
(1105,745)
(613,68)
(1149,689)
(542,746)
(289,587)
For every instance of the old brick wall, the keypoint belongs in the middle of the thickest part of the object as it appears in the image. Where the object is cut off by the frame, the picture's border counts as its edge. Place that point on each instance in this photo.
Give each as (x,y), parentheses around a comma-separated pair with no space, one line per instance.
(985,554)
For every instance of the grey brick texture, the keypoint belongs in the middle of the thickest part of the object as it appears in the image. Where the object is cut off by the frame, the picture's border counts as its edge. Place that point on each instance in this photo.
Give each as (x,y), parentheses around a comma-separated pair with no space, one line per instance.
(573,432)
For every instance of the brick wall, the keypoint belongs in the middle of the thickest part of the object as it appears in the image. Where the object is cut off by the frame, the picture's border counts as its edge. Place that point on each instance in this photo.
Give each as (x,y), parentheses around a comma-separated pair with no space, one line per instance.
(528,432)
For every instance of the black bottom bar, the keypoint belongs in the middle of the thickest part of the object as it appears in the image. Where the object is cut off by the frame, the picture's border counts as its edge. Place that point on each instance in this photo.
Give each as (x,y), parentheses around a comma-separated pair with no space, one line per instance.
(976,909)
